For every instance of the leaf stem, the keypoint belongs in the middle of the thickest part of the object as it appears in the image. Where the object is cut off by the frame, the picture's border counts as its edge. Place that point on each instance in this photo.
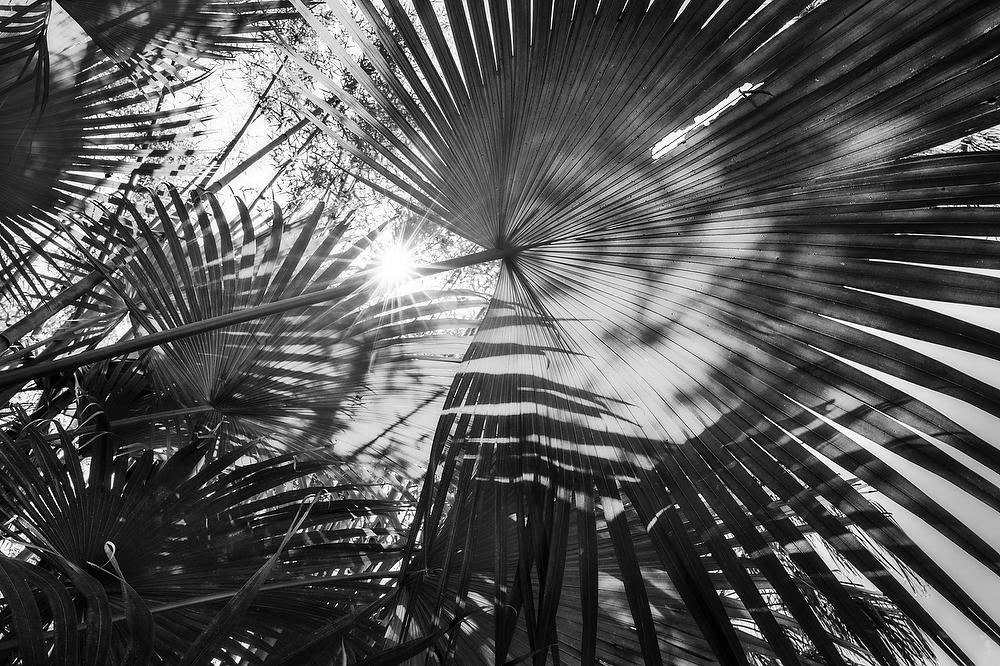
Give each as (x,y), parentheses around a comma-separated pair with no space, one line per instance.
(35,371)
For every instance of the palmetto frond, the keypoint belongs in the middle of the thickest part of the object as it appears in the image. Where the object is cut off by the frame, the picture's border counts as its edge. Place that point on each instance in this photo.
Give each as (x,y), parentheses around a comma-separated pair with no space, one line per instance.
(437,598)
(287,381)
(730,286)
(93,121)
(184,536)
(154,35)
(83,107)
(73,124)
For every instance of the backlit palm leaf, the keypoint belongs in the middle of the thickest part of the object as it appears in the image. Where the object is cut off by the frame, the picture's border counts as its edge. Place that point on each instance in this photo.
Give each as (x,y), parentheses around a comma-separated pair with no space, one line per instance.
(69,127)
(417,353)
(144,34)
(82,102)
(730,286)
(91,122)
(288,381)
(679,636)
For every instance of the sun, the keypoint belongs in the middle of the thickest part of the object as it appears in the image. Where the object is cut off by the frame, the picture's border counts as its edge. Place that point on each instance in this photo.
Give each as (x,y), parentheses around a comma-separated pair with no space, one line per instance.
(395,266)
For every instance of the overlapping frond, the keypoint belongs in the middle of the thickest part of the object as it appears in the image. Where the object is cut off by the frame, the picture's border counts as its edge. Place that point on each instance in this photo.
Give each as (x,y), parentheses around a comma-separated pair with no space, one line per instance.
(130,546)
(419,347)
(158,35)
(286,381)
(74,124)
(730,288)
(93,121)
(83,87)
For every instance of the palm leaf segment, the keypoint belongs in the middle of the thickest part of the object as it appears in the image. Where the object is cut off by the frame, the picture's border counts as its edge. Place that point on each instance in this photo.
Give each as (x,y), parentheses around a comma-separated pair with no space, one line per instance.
(82,89)
(289,381)
(185,536)
(72,119)
(157,35)
(732,286)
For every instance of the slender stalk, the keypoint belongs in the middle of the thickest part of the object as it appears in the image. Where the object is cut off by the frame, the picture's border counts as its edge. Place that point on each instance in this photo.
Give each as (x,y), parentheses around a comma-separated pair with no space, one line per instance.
(131,420)
(47,310)
(218,160)
(185,411)
(44,369)
(302,582)
(257,156)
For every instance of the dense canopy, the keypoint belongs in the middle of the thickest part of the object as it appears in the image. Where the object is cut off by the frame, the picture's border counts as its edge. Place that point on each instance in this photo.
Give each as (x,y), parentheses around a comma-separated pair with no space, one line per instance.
(549,332)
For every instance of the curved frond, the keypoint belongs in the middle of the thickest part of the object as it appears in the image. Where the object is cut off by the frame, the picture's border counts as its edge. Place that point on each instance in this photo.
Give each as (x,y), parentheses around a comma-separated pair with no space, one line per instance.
(155,35)
(147,545)
(289,381)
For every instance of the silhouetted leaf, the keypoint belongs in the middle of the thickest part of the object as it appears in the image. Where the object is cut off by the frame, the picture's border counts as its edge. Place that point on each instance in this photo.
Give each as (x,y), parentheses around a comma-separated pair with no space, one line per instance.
(731,285)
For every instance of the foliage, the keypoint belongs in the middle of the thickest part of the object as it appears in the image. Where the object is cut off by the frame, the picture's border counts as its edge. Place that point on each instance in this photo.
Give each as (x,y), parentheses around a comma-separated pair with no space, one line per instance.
(163,545)
(746,298)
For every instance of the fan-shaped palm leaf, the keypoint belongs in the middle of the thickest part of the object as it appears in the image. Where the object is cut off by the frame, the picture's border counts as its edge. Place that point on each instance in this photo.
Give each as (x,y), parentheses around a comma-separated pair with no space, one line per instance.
(83,106)
(73,122)
(289,380)
(730,286)
(182,537)
(680,639)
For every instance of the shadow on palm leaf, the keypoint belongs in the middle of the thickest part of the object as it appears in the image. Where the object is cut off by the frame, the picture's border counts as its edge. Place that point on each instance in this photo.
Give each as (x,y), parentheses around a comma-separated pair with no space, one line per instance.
(718,249)
(74,126)
(543,454)
(185,536)
(75,120)
(83,109)
(592,571)
(289,381)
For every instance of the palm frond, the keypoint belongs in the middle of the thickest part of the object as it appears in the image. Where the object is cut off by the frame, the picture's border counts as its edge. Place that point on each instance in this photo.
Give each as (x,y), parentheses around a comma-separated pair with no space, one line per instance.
(731,285)
(291,380)
(69,129)
(95,122)
(178,540)
(154,36)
